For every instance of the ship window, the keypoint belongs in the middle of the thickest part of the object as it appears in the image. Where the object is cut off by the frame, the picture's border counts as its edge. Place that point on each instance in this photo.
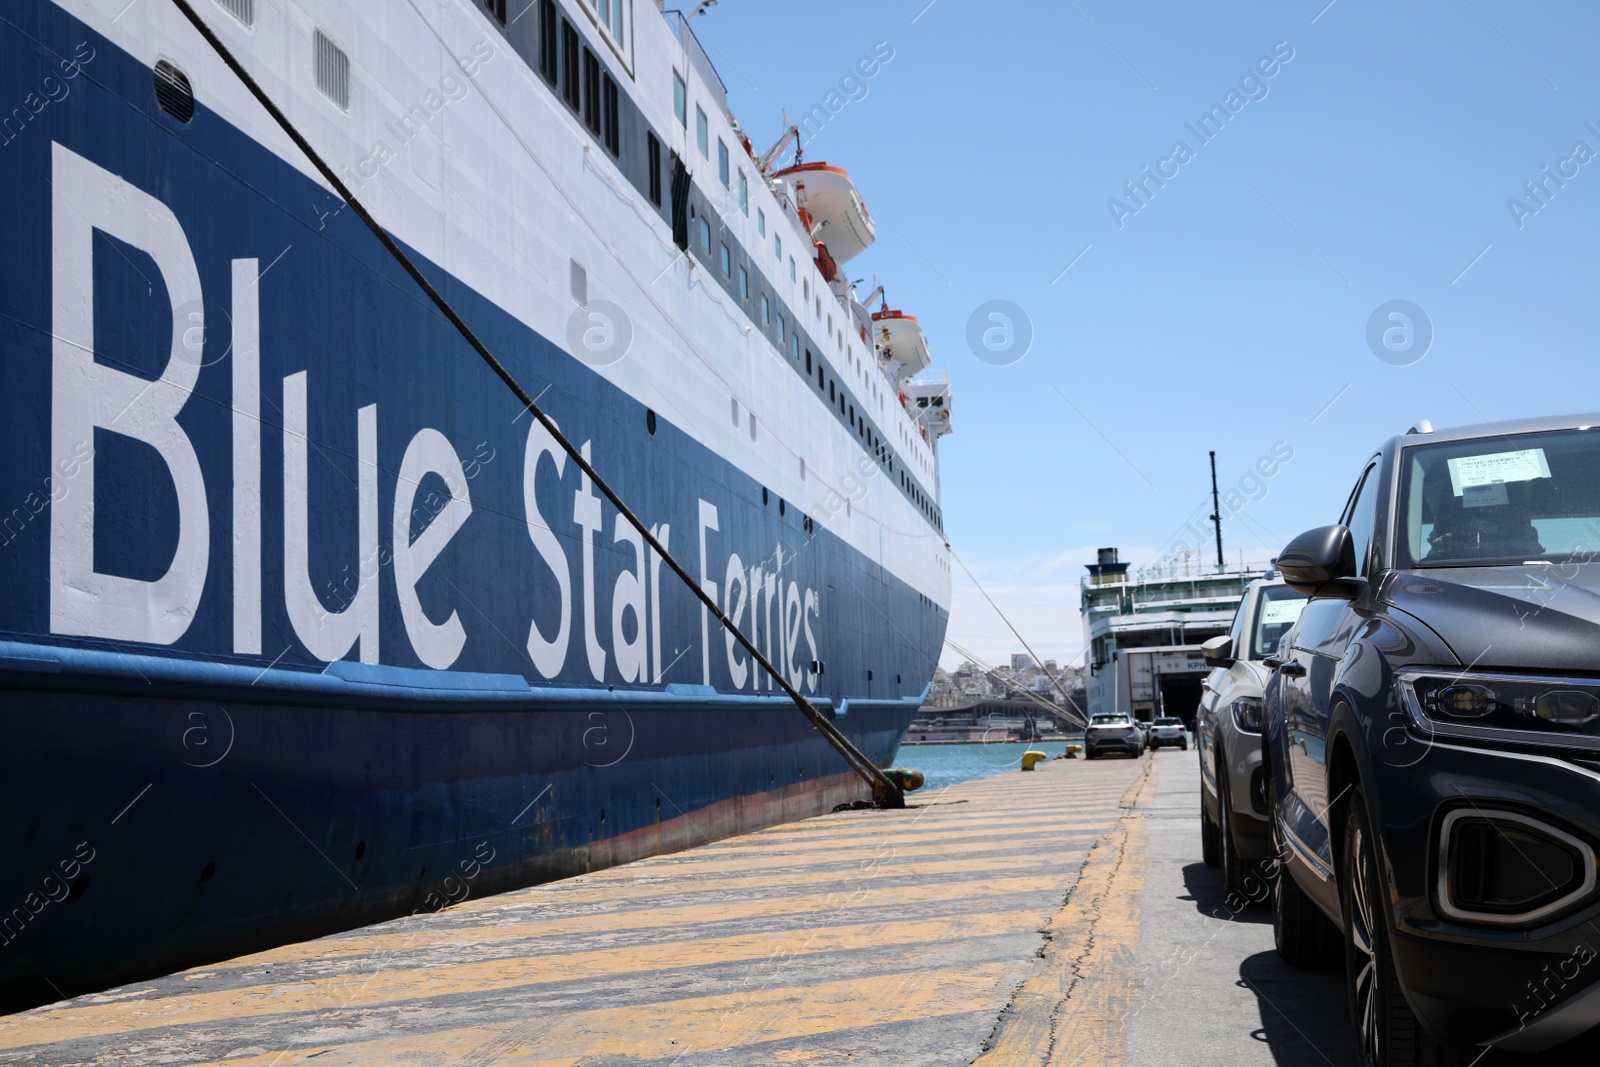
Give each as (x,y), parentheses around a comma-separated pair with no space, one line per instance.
(547,40)
(791,268)
(680,99)
(333,70)
(702,132)
(753,437)
(705,237)
(722,161)
(243,10)
(612,119)
(680,203)
(744,193)
(808,361)
(735,407)
(608,13)
(832,396)
(766,316)
(777,247)
(794,346)
(591,91)
(497,8)
(744,283)
(805,289)
(652,152)
(780,329)
(761,222)
(569,64)
(727,262)
(820,378)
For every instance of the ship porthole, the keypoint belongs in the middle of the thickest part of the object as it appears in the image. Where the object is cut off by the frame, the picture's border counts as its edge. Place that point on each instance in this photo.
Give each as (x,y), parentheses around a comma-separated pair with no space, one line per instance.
(361,849)
(650,422)
(780,506)
(763,496)
(208,870)
(173,92)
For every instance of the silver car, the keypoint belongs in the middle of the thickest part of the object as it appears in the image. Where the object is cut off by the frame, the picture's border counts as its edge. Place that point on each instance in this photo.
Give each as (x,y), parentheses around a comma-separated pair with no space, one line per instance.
(1168,732)
(1111,732)
(1234,832)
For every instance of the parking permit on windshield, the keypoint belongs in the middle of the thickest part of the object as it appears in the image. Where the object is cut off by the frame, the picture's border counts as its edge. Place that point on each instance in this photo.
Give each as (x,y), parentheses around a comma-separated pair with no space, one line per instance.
(1523,465)
(1484,496)
(1276,611)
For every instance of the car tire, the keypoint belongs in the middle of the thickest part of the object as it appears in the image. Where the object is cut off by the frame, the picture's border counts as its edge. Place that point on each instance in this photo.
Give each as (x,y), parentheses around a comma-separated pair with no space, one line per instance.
(1183,746)
(1209,852)
(1303,936)
(1387,1030)
(1239,875)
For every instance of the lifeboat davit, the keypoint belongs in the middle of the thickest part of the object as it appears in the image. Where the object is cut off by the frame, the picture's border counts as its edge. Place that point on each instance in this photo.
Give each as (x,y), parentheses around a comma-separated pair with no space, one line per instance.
(900,337)
(839,217)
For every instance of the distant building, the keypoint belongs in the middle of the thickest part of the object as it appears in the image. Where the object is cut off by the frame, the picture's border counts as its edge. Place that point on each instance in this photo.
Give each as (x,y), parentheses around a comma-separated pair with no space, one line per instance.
(993,720)
(1144,631)
(971,682)
(1021,661)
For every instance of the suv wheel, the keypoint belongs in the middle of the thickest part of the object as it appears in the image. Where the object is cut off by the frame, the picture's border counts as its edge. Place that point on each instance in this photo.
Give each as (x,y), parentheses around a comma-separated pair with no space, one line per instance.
(1389,1032)
(1209,852)
(1303,935)
(1236,870)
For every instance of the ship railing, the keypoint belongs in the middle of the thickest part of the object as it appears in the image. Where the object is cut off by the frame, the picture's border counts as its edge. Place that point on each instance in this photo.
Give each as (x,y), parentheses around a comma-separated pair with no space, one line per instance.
(697,58)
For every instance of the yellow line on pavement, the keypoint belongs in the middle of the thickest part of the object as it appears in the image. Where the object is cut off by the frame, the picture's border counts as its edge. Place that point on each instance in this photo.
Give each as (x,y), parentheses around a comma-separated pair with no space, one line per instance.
(1072,1010)
(407,984)
(765,1018)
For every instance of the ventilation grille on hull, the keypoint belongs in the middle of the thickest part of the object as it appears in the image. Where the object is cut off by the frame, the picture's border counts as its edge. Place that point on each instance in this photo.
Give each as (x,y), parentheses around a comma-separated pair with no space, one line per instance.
(243,10)
(173,92)
(333,71)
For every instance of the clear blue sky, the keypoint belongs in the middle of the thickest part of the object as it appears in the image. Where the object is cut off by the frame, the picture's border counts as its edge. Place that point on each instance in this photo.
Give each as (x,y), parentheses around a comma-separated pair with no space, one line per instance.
(1233,306)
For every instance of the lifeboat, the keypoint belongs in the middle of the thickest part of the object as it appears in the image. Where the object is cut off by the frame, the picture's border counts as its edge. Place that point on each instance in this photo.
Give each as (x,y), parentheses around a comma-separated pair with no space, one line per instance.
(839,218)
(900,338)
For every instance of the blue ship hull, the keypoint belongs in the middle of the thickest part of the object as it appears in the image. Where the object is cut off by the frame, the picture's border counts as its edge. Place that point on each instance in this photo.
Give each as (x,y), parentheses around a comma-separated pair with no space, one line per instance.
(316,630)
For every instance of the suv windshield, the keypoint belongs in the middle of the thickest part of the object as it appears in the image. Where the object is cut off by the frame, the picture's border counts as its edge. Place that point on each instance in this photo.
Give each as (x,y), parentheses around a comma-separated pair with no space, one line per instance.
(1108,720)
(1169,722)
(1277,609)
(1494,501)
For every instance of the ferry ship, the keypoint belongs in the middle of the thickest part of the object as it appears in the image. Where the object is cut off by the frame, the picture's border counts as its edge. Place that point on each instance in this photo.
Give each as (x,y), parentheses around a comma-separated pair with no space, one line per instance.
(306,622)
(1144,630)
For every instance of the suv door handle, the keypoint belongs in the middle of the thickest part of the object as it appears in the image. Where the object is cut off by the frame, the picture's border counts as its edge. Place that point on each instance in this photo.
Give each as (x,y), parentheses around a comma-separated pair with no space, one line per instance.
(1291,669)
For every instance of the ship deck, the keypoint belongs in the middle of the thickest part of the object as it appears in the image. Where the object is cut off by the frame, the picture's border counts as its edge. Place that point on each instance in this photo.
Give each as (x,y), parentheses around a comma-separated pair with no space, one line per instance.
(953,931)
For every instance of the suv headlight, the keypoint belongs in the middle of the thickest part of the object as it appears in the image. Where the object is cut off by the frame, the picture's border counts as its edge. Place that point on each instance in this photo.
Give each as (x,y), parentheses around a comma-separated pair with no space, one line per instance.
(1507,707)
(1247,713)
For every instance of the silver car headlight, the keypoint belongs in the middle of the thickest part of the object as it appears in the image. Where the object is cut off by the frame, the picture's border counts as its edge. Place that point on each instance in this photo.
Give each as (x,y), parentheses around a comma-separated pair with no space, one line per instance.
(1513,708)
(1247,713)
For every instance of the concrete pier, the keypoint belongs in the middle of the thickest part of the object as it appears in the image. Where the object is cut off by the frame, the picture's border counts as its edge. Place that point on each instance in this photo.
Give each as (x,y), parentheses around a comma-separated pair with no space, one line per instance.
(995,921)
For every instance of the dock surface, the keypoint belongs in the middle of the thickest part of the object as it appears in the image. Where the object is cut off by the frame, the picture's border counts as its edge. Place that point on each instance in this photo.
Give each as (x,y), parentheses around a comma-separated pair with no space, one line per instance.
(909,937)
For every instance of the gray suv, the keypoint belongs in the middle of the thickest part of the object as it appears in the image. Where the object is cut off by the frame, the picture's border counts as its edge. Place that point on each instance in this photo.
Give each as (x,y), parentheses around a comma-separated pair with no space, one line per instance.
(1234,832)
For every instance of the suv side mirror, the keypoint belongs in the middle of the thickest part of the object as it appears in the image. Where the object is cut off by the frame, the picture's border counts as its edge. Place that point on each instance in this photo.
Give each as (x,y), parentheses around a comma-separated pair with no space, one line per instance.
(1321,562)
(1218,652)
